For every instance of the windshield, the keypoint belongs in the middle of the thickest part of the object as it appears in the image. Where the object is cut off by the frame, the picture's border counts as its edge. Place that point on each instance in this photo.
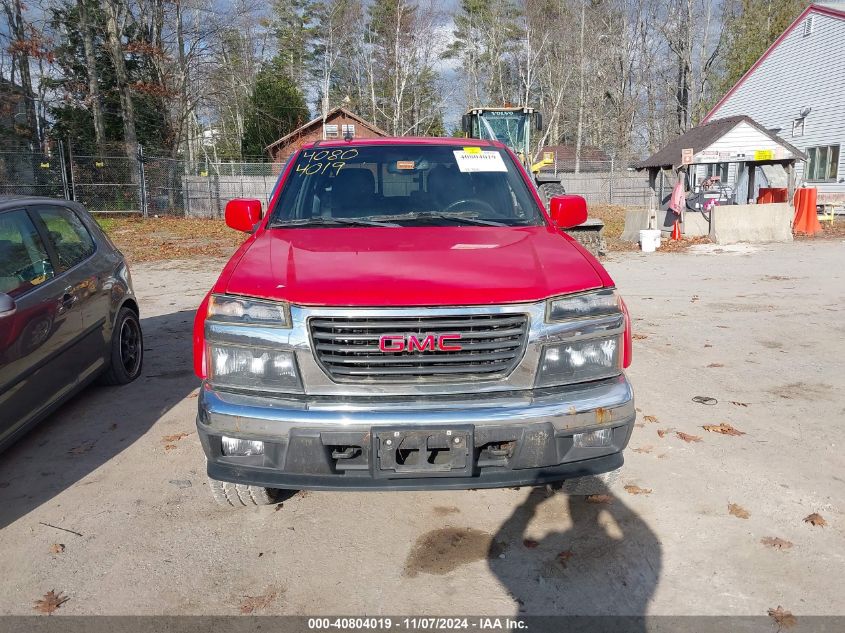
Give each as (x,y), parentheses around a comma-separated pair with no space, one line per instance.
(506,127)
(404,185)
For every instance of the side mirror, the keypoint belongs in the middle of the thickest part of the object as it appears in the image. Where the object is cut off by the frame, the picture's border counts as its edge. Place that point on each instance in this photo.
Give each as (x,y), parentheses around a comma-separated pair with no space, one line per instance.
(242,214)
(568,211)
(538,121)
(465,124)
(7,305)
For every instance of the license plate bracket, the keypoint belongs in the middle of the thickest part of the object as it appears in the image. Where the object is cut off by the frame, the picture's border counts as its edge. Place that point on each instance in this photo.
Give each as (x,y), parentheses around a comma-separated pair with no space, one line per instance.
(442,451)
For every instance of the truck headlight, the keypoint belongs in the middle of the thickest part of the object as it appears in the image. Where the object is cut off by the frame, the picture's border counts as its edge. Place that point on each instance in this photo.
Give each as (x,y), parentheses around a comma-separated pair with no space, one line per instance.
(579,361)
(256,369)
(583,305)
(248,311)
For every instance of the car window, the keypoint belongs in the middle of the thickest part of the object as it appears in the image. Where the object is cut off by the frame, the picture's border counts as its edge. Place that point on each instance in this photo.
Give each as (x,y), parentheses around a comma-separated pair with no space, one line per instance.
(70,238)
(24,262)
(405,184)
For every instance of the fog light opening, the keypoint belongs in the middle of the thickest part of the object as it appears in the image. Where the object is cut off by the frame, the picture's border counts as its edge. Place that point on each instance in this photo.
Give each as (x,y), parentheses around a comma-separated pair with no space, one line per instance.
(241,448)
(593,439)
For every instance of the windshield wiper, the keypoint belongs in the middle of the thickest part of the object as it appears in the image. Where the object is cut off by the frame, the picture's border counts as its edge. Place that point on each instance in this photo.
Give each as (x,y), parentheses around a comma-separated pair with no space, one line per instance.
(438,215)
(332,221)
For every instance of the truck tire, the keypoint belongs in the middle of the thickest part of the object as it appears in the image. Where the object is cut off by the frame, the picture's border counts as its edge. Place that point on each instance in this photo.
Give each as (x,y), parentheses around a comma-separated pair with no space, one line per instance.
(127,350)
(238,495)
(592,485)
(593,241)
(549,190)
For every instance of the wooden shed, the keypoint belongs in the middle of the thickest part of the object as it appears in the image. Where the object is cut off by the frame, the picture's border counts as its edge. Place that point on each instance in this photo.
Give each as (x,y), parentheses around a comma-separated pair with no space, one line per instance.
(339,123)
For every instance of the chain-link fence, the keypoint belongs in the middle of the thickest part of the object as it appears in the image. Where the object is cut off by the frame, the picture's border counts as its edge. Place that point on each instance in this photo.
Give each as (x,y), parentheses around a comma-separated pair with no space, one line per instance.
(152,185)
(34,174)
(146,185)
(604,182)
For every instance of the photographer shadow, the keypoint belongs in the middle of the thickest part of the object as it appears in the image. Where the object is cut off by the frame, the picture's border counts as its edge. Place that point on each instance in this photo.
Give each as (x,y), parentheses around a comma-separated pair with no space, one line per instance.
(606,561)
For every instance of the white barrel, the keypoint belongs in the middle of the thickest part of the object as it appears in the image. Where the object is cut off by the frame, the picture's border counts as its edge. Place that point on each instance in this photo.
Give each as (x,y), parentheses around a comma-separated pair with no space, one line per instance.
(649,240)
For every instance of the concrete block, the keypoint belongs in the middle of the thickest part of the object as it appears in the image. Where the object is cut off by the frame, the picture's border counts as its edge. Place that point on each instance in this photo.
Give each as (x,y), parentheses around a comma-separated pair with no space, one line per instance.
(637,220)
(730,224)
(695,224)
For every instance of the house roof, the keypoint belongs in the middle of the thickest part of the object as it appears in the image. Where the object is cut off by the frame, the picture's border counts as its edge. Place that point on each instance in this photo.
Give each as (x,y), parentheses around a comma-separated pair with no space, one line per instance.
(567,153)
(319,120)
(834,10)
(703,136)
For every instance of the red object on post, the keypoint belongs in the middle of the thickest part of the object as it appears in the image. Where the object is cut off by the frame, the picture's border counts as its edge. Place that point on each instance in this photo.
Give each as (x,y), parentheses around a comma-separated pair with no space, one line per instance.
(676,230)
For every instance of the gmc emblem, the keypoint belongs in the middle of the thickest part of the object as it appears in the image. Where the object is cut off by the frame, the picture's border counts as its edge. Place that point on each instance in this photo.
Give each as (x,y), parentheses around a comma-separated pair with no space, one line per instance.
(392,343)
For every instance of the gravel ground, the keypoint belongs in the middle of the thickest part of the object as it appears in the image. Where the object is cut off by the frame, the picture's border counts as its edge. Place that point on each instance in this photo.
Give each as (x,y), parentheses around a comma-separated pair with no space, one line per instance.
(107,502)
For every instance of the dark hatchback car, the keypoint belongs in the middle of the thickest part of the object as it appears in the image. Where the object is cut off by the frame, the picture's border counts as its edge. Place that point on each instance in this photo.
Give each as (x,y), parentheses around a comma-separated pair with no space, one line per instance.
(68,314)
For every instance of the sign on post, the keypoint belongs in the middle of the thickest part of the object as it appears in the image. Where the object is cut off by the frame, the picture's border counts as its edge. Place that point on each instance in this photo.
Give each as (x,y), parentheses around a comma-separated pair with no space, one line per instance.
(686,155)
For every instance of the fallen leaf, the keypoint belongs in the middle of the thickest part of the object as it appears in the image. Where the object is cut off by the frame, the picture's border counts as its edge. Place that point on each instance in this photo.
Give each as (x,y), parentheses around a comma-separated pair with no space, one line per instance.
(650,418)
(636,490)
(782,617)
(173,438)
(662,432)
(169,447)
(251,604)
(643,449)
(715,365)
(662,455)
(686,437)
(738,511)
(707,345)
(564,556)
(739,404)
(639,425)
(194,395)
(694,299)
(50,602)
(815,520)
(776,542)
(600,499)
(723,428)
(57,548)
(638,337)
(82,448)
(529,543)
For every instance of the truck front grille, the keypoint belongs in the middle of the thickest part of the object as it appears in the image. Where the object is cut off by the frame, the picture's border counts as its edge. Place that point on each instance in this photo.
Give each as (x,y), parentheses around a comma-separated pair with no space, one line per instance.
(348,349)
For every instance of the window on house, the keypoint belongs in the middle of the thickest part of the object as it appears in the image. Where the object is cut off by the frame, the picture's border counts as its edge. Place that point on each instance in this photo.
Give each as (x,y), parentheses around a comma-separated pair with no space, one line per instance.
(348,129)
(716,169)
(798,126)
(331,130)
(822,163)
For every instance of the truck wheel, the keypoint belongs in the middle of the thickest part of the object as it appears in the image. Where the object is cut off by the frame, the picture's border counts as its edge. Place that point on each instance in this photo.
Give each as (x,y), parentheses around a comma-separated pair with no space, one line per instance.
(592,485)
(127,350)
(239,495)
(549,190)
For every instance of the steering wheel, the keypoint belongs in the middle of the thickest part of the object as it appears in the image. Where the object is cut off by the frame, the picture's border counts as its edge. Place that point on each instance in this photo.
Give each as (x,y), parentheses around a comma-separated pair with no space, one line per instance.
(467,201)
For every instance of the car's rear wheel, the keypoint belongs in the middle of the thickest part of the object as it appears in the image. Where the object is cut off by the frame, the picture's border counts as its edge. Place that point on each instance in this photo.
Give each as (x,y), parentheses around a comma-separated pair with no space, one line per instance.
(127,349)
(238,495)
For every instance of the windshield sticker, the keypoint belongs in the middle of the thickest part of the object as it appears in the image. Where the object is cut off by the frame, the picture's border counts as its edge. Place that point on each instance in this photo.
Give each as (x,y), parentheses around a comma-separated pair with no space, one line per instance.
(319,162)
(469,162)
(405,164)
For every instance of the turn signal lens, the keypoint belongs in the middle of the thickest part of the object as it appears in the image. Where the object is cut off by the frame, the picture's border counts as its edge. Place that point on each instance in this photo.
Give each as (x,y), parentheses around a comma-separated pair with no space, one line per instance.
(248,311)
(583,305)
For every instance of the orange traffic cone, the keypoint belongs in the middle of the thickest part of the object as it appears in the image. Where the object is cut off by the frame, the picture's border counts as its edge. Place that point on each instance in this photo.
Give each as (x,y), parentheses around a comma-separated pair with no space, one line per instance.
(676,230)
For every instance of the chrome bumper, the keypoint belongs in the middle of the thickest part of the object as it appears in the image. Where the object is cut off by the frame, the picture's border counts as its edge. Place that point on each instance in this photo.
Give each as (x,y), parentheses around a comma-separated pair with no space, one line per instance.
(519,437)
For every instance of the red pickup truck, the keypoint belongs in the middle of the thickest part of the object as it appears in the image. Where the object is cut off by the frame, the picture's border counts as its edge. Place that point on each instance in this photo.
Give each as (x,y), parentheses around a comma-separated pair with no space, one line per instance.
(407,315)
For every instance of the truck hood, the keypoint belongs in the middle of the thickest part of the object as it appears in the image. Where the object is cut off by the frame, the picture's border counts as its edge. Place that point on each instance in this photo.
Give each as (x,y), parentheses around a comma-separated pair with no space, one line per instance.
(411,266)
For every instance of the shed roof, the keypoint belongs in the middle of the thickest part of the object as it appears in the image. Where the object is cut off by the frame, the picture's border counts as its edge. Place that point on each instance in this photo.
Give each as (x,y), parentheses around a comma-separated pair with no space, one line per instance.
(702,136)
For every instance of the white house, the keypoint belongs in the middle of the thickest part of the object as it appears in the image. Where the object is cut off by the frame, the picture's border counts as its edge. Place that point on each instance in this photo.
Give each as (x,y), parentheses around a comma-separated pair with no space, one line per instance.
(797,90)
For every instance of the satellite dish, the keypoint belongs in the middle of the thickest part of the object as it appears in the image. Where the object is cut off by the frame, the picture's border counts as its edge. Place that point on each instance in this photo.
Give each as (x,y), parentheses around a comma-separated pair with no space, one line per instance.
(805,111)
